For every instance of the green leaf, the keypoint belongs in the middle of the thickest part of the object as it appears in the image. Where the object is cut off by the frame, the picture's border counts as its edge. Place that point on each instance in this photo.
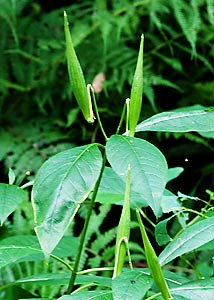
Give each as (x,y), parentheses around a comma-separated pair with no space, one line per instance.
(112,189)
(179,121)
(161,233)
(174,173)
(148,165)
(26,248)
(191,238)
(131,285)
(197,290)
(89,295)
(169,202)
(10,197)
(63,279)
(62,183)
(19,248)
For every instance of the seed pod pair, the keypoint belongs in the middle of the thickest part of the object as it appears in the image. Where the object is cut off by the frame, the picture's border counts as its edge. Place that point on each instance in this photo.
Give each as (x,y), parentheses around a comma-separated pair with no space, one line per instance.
(136,91)
(76,76)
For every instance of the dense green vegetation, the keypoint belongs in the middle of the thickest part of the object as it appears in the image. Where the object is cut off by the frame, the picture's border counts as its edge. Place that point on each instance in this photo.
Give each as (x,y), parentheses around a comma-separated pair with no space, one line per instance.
(40,117)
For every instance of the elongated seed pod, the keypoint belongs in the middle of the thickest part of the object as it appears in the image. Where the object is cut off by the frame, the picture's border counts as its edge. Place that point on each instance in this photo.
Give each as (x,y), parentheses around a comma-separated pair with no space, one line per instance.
(153,262)
(123,230)
(136,91)
(76,76)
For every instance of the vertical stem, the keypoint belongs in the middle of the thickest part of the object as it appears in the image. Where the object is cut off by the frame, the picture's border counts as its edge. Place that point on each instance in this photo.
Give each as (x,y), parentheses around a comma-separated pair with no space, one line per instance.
(121,118)
(90,88)
(84,231)
(127,115)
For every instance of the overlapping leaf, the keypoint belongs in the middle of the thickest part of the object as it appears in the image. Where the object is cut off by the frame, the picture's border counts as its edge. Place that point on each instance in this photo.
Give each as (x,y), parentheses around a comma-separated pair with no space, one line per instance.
(131,285)
(62,183)
(191,238)
(26,248)
(149,171)
(10,197)
(179,121)
(197,290)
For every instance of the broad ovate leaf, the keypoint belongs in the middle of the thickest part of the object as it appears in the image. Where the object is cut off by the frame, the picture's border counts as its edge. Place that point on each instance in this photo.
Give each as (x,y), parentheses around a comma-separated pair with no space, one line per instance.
(10,197)
(62,183)
(190,239)
(149,172)
(180,121)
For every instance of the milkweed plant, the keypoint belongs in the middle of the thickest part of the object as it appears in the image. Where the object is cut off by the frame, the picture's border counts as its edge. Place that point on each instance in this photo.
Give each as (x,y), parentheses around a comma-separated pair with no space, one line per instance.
(126,170)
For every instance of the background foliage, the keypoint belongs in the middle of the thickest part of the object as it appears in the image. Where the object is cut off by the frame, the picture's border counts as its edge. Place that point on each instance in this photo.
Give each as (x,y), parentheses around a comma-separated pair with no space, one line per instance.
(39,115)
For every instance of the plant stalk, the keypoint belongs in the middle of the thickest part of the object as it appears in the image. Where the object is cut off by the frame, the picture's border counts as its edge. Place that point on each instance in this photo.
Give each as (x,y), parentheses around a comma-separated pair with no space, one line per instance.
(85,228)
(90,88)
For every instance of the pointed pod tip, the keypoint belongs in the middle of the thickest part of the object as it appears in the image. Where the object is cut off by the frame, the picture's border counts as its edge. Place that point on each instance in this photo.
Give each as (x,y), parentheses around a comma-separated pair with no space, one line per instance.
(65,14)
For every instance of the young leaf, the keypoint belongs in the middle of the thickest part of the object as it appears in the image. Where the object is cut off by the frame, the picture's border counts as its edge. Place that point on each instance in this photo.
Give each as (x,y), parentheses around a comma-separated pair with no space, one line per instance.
(61,184)
(181,121)
(76,76)
(148,165)
(10,197)
(136,91)
(191,238)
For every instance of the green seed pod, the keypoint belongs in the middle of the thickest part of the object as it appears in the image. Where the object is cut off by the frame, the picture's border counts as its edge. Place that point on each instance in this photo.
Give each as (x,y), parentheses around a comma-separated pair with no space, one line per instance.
(76,76)
(123,231)
(136,91)
(153,262)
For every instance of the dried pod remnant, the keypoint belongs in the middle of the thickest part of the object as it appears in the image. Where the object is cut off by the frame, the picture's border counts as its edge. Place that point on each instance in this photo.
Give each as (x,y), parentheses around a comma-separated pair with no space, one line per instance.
(76,76)
(97,83)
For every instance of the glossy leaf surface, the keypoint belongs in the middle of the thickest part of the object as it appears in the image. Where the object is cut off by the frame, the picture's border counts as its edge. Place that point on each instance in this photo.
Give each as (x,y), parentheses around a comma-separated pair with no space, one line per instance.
(26,248)
(191,238)
(179,121)
(198,290)
(149,171)
(62,183)
(112,189)
(10,197)
(131,285)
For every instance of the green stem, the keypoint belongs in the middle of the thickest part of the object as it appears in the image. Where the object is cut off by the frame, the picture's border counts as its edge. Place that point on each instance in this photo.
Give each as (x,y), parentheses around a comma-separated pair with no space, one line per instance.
(90,88)
(146,218)
(62,262)
(95,270)
(121,118)
(127,115)
(154,296)
(85,228)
